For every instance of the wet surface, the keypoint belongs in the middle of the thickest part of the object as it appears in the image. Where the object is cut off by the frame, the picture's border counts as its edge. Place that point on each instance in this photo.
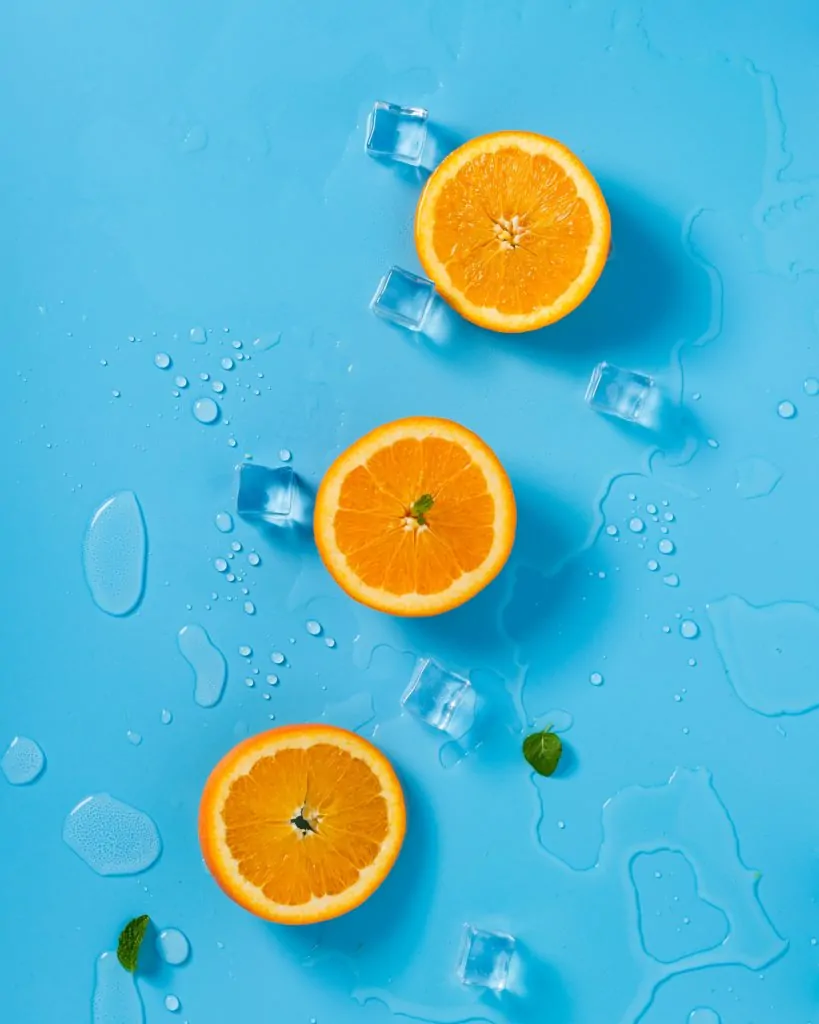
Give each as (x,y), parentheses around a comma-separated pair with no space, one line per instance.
(194,233)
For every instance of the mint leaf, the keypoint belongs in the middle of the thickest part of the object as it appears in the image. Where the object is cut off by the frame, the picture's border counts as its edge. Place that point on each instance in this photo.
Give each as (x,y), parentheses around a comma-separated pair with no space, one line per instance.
(419,508)
(130,940)
(542,750)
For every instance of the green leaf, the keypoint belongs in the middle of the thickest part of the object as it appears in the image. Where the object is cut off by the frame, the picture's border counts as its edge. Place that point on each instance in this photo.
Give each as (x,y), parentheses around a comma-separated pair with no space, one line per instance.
(419,508)
(542,750)
(130,940)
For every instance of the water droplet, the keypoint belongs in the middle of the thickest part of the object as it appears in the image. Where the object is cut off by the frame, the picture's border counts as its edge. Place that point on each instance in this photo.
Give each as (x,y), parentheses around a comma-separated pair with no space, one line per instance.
(787,410)
(218,387)
(636,525)
(236,344)
(245,651)
(561,824)
(208,664)
(166,717)
(671,580)
(689,629)
(236,545)
(181,382)
(704,1015)
(612,530)
(811,386)
(116,394)
(220,564)
(173,946)
(285,455)
(198,335)
(253,558)
(172,1004)
(692,662)
(329,641)
(712,443)
(204,375)
(162,360)
(756,478)
(652,565)
(313,627)
(224,522)
(112,837)
(277,658)
(194,139)
(115,999)
(273,680)
(23,761)
(206,410)
(114,554)
(651,509)
(227,363)
(249,607)
(249,681)
(666,547)
(596,679)
(134,737)
(266,341)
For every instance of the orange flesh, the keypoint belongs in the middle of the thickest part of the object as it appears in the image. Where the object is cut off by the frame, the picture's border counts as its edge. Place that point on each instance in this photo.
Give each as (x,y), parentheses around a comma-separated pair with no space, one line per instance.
(512,231)
(304,822)
(388,548)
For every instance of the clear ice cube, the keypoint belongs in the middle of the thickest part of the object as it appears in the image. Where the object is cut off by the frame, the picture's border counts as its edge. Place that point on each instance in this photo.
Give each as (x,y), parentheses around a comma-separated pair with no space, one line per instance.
(265,493)
(486,958)
(626,394)
(397,133)
(440,698)
(403,298)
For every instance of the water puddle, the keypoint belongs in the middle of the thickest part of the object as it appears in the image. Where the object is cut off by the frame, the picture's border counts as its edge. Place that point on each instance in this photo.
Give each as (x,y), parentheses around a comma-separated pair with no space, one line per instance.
(112,837)
(114,554)
(353,713)
(756,478)
(769,653)
(208,664)
(116,999)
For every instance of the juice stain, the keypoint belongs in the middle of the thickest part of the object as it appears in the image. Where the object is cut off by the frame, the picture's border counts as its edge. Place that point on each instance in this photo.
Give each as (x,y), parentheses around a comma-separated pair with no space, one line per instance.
(208,664)
(116,999)
(769,653)
(115,553)
(112,837)
(23,761)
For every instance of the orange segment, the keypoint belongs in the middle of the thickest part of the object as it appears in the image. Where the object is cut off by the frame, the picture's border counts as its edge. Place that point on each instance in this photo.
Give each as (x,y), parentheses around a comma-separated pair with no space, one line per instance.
(513,230)
(301,823)
(416,517)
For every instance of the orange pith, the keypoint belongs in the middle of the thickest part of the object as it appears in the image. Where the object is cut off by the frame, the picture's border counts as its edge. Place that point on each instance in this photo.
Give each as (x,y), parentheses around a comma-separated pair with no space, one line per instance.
(513,230)
(395,559)
(301,823)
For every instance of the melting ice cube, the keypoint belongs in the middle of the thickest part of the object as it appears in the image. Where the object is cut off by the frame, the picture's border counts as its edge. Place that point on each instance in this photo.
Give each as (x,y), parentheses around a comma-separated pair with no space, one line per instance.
(265,493)
(626,394)
(486,958)
(397,133)
(403,298)
(440,698)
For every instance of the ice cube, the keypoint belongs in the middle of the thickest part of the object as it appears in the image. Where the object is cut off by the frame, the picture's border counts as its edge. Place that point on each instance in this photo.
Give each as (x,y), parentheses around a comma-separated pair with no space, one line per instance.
(486,958)
(440,698)
(403,298)
(397,133)
(265,493)
(626,394)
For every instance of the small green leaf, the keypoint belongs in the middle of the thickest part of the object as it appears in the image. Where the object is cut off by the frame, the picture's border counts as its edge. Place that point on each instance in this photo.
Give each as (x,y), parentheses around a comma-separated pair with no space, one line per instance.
(419,508)
(542,750)
(130,940)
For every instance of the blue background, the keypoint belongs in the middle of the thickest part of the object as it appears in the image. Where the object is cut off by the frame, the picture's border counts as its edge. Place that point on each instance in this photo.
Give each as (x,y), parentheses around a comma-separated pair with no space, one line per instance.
(170,166)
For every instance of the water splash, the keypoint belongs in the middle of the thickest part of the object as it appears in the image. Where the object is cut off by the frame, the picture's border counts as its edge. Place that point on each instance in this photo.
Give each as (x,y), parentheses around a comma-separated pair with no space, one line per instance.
(768,653)
(208,664)
(115,554)
(115,999)
(23,761)
(112,837)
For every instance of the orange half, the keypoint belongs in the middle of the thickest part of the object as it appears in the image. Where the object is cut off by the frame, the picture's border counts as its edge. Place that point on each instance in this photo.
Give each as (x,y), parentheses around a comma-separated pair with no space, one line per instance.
(416,517)
(301,823)
(514,231)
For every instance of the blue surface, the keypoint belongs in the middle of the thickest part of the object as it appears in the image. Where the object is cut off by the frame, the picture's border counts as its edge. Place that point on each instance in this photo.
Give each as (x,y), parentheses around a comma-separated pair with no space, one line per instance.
(168,167)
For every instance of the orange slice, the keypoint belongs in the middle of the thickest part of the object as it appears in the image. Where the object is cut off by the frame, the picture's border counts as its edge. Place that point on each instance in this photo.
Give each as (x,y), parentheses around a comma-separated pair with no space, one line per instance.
(301,823)
(513,230)
(416,517)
